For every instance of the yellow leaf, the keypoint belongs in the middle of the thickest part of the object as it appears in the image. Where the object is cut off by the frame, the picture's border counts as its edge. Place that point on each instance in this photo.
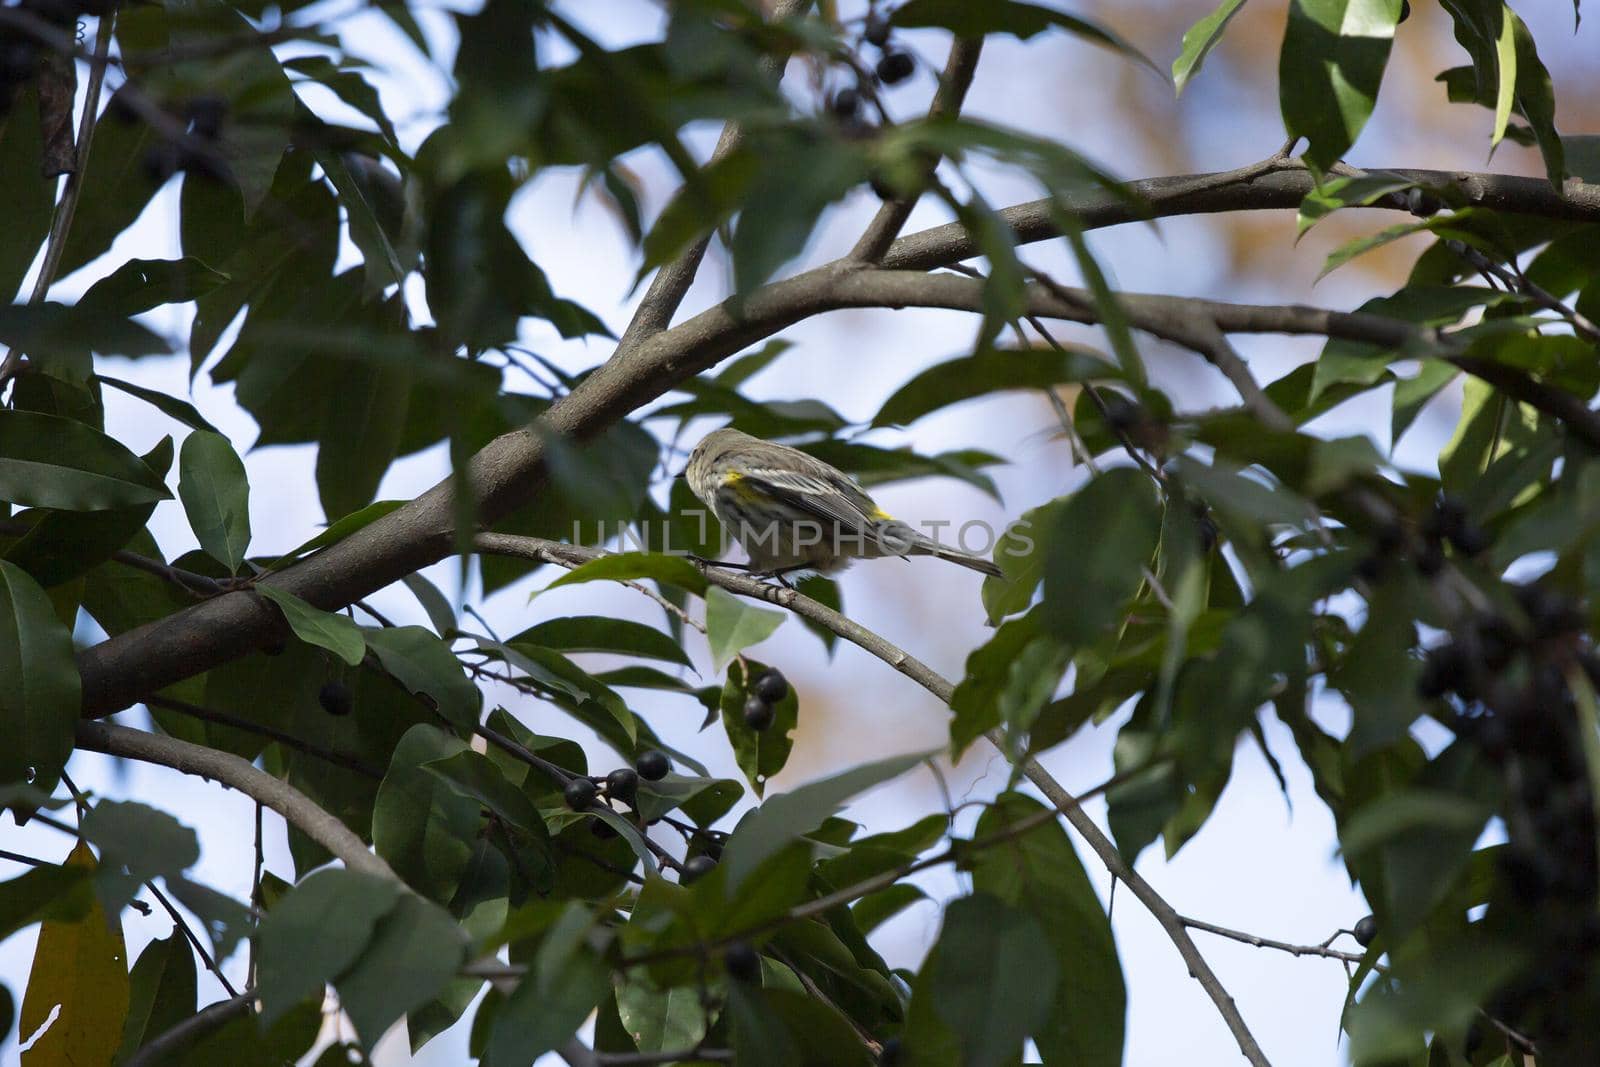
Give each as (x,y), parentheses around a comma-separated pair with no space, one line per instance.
(82,967)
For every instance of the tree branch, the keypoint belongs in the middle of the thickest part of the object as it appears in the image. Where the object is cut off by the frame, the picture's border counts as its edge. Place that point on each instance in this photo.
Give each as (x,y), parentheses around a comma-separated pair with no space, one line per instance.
(166,1045)
(793,600)
(1275,185)
(323,828)
(957,78)
(671,283)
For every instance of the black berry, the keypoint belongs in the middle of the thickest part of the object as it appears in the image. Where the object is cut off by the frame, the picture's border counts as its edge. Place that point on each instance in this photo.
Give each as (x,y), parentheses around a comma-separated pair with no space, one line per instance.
(845,104)
(1405,10)
(622,784)
(696,868)
(580,793)
(895,67)
(653,765)
(334,696)
(876,32)
(771,686)
(1366,929)
(757,714)
(742,961)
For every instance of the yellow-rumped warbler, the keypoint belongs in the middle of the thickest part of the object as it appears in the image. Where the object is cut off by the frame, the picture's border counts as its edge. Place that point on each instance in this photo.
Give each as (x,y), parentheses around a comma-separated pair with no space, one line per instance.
(791,512)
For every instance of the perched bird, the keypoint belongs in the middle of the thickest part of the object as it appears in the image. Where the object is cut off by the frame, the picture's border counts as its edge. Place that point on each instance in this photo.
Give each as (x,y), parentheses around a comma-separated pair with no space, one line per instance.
(793,512)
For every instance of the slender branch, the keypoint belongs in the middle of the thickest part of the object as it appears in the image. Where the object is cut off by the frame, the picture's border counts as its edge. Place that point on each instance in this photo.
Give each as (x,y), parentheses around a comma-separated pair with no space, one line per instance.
(322,827)
(1274,184)
(915,669)
(957,78)
(165,1046)
(1266,942)
(223,718)
(194,941)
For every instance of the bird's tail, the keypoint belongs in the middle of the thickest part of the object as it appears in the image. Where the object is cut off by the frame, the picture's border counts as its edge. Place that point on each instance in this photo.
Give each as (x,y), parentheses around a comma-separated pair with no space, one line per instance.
(982,566)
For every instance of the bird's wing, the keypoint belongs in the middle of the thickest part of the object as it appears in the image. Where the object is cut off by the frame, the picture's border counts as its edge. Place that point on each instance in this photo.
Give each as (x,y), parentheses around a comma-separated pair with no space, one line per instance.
(825,500)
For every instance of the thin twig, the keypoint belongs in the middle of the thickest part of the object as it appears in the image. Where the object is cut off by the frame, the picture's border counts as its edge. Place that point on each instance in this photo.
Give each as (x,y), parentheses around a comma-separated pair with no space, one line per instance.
(223,718)
(321,826)
(953,85)
(194,941)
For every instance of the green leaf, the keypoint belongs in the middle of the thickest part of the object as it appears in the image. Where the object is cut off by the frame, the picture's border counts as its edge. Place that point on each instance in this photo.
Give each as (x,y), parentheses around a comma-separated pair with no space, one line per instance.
(316,933)
(1329,69)
(422,825)
(216,496)
(759,754)
(336,633)
(780,819)
(626,566)
(1040,873)
(566,980)
(1008,16)
(141,285)
(48,461)
(733,624)
(1020,558)
(44,892)
(171,406)
(113,189)
(143,841)
(338,531)
(162,992)
(599,633)
(39,685)
(425,666)
(78,983)
(1096,554)
(415,949)
(976,700)
(1345,191)
(989,371)
(995,978)
(1199,40)
(29,199)
(660,1019)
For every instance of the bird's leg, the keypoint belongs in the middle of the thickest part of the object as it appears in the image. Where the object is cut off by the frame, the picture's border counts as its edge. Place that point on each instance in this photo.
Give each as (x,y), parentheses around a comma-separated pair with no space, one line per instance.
(724,564)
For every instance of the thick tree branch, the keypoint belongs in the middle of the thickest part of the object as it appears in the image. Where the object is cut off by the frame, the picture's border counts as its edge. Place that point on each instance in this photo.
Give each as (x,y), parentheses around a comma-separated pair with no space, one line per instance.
(1272,186)
(793,600)
(957,78)
(509,470)
(323,828)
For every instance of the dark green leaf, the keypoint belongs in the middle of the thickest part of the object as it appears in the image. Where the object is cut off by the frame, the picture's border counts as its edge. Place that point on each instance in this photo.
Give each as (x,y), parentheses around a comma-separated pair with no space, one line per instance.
(39,686)
(424,665)
(780,819)
(995,979)
(141,285)
(216,497)
(759,754)
(52,462)
(1041,874)
(1009,16)
(414,950)
(1097,552)
(989,371)
(621,566)
(162,992)
(303,946)
(30,199)
(733,624)
(325,629)
(598,633)
(1329,69)
(171,406)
